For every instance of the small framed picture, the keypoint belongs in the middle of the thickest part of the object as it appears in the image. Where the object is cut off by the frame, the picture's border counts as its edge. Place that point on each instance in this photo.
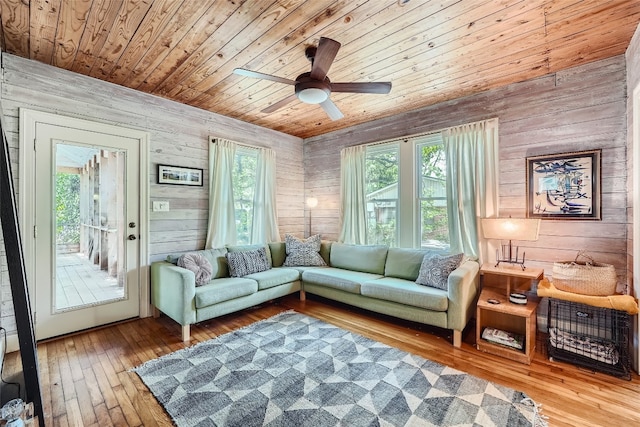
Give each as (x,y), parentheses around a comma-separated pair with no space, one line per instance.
(178,175)
(564,186)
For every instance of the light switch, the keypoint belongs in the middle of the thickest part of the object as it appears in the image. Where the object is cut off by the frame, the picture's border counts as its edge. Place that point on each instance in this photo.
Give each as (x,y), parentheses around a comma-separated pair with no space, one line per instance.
(161,206)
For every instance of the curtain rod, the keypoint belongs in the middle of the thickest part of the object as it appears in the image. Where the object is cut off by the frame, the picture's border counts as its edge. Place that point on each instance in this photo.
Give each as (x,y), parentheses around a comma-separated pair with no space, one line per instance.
(418,135)
(254,147)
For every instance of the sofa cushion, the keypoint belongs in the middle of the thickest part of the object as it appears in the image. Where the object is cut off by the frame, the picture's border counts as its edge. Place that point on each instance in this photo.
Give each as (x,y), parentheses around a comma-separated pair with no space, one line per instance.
(435,270)
(303,252)
(224,289)
(345,280)
(197,263)
(325,251)
(364,258)
(278,253)
(404,263)
(406,292)
(216,258)
(274,277)
(247,262)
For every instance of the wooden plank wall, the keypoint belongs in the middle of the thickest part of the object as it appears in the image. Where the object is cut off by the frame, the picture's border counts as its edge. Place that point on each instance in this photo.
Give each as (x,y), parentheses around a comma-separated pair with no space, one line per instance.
(178,136)
(577,109)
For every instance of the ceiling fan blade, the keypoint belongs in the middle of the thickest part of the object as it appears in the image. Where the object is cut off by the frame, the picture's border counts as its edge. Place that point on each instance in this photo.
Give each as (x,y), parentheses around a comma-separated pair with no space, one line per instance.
(257,75)
(362,87)
(325,54)
(273,107)
(331,109)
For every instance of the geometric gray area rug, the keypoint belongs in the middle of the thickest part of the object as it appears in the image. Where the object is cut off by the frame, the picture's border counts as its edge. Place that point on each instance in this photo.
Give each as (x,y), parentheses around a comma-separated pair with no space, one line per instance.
(295,370)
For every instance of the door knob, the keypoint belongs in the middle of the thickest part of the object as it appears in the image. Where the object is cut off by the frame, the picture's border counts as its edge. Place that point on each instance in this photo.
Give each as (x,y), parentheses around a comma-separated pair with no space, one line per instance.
(131,237)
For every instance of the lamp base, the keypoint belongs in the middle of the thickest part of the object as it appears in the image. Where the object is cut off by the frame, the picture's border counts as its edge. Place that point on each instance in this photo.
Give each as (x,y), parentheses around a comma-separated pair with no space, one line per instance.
(508,258)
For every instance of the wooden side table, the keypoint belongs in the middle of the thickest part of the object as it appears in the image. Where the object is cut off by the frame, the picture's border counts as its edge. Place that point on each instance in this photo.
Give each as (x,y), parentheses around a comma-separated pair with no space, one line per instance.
(510,317)
(511,272)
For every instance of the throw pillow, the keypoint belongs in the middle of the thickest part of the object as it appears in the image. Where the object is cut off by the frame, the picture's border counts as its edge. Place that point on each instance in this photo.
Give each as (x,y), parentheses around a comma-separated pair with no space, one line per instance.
(435,270)
(247,262)
(303,252)
(199,265)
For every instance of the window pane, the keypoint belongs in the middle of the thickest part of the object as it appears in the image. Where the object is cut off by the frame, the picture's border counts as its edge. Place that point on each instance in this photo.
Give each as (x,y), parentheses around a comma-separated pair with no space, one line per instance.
(382,194)
(434,229)
(244,182)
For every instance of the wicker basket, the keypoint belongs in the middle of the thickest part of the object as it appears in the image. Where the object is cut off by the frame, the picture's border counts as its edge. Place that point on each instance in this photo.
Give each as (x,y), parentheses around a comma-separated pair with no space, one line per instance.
(586,278)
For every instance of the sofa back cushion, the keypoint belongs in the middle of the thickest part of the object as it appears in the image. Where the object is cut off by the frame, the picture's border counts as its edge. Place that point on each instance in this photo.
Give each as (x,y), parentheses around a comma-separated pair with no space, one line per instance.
(278,253)
(325,251)
(404,263)
(364,258)
(216,258)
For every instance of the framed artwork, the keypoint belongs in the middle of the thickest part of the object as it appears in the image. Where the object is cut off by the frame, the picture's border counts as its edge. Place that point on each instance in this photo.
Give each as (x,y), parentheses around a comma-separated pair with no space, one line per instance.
(178,175)
(564,186)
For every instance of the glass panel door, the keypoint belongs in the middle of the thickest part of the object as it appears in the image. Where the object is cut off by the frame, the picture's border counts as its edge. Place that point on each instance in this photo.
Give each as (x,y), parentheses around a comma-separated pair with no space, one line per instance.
(89,226)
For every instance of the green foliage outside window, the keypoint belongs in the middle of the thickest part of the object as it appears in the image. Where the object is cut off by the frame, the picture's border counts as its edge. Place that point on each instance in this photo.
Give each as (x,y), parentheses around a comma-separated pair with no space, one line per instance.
(244,182)
(381,170)
(382,173)
(67,208)
(433,210)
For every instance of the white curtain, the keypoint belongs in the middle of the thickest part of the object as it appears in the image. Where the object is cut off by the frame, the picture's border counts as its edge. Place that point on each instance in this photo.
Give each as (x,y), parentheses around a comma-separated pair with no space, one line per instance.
(472,184)
(352,194)
(222,220)
(265,215)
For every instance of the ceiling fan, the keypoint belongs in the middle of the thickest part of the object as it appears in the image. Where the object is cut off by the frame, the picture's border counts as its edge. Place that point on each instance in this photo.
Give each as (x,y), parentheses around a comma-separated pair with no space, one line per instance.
(315,87)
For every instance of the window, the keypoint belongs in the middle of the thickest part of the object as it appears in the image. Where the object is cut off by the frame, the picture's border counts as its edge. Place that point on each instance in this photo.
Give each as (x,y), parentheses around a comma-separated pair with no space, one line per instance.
(381,194)
(406,193)
(432,192)
(244,184)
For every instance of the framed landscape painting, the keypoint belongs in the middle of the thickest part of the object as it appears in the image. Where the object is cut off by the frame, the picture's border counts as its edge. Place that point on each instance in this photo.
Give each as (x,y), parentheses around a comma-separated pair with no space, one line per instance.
(564,186)
(179,175)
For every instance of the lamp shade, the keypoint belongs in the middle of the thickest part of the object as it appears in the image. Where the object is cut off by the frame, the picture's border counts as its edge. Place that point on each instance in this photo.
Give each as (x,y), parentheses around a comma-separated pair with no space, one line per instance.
(312,202)
(511,228)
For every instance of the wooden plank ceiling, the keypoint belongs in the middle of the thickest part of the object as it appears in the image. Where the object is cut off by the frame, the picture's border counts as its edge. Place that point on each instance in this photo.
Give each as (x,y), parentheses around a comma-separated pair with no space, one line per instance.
(431,51)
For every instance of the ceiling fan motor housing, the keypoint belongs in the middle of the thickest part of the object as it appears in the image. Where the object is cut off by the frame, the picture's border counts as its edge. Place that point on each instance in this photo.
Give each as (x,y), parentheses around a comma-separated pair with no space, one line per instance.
(312,91)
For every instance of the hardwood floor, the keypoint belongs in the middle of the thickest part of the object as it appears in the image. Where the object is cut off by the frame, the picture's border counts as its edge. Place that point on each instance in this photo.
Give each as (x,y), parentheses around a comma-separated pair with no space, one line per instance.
(85,378)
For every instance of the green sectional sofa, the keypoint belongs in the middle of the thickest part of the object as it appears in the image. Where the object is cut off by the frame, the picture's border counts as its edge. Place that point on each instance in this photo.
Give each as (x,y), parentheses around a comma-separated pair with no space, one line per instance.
(372,277)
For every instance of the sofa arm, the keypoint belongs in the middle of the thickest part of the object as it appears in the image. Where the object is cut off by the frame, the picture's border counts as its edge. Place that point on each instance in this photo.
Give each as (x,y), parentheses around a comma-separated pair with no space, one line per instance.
(173,291)
(463,288)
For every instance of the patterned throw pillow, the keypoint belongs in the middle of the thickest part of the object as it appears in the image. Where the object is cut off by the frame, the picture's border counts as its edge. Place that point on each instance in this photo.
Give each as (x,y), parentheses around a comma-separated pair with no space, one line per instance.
(247,262)
(199,265)
(435,270)
(303,252)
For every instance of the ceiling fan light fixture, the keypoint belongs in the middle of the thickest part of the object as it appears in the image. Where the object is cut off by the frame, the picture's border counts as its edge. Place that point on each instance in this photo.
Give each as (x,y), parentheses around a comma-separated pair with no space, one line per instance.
(313,95)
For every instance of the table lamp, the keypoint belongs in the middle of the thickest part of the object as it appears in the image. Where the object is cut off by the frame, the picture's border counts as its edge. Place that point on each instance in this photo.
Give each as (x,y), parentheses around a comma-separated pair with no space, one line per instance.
(510,229)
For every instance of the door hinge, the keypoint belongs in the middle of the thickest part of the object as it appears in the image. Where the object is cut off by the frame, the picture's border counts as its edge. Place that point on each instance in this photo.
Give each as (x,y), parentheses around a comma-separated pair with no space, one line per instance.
(34,144)
(35,231)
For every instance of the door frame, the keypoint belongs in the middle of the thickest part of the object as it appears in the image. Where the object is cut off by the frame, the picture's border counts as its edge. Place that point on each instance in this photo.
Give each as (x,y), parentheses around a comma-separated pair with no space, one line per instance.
(635,225)
(26,190)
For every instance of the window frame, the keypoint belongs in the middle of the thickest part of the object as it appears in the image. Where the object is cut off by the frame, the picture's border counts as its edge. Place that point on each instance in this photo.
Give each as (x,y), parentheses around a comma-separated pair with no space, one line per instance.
(408,227)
